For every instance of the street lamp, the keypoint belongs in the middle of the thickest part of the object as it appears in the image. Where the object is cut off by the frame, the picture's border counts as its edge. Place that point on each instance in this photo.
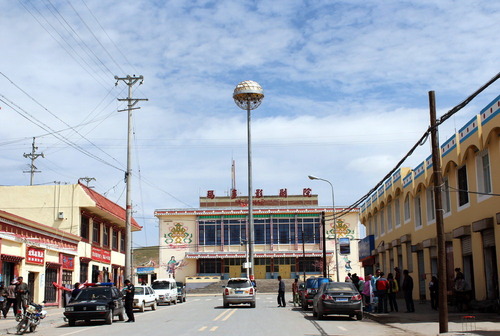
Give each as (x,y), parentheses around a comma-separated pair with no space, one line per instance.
(248,95)
(311,177)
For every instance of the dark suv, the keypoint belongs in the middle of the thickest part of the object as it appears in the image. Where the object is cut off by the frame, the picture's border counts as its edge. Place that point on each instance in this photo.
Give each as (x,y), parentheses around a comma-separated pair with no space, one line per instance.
(310,290)
(96,303)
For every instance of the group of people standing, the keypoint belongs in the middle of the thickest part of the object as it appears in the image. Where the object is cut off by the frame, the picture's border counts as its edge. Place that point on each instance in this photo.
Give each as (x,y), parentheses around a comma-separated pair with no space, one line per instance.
(379,292)
(14,295)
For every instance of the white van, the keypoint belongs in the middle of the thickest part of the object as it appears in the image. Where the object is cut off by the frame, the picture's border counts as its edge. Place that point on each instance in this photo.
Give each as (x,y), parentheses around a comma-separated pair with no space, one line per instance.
(165,290)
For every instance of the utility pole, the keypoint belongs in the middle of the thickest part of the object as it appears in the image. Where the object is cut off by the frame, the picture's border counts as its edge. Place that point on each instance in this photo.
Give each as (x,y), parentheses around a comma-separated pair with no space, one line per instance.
(130,81)
(33,156)
(441,243)
(87,180)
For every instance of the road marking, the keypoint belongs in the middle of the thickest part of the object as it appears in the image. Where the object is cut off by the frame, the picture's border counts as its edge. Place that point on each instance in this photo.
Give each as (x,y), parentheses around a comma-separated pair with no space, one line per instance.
(229,315)
(202,328)
(221,314)
(214,328)
(78,331)
(342,328)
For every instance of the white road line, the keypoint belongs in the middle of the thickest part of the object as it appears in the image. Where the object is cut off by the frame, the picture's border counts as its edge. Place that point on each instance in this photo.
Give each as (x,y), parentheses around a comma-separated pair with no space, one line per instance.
(342,328)
(78,331)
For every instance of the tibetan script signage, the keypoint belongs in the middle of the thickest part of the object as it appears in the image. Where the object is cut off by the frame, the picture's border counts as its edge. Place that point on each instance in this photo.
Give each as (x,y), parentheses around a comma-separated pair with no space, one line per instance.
(35,255)
(101,255)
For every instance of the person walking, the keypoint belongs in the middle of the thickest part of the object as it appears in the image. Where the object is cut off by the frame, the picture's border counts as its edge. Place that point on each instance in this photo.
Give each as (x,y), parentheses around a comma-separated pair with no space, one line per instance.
(21,294)
(392,291)
(281,292)
(381,286)
(407,288)
(11,299)
(129,300)
(367,293)
(295,292)
(434,291)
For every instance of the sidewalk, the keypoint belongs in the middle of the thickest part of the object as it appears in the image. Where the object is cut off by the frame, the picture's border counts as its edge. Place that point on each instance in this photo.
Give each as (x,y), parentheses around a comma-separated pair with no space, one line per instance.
(54,317)
(425,321)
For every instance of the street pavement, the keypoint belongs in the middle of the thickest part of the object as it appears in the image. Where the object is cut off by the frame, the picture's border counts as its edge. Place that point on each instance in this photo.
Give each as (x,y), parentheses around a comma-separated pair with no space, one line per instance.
(426,321)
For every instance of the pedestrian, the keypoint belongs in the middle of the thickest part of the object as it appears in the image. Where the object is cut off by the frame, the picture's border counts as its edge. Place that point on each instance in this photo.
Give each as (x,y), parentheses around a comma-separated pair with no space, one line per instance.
(367,293)
(2,296)
(407,288)
(21,295)
(129,300)
(392,291)
(281,292)
(76,290)
(381,286)
(434,291)
(460,288)
(11,299)
(348,278)
(254,284)
(295,292)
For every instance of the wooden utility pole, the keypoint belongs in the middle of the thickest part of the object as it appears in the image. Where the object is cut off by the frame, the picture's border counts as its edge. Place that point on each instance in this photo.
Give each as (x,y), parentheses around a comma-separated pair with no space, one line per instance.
(438,185)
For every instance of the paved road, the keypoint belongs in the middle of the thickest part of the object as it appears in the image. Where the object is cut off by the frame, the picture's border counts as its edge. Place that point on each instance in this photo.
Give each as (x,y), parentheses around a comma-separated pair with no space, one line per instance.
(205,316)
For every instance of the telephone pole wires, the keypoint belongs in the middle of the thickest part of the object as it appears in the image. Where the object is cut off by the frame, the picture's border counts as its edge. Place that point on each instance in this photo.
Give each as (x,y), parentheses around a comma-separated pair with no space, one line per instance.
(131,102)
(32,156)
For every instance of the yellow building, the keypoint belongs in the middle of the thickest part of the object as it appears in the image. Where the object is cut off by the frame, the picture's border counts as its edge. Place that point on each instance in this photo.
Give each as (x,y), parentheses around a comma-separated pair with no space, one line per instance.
(74,234)
(211,240)
(401,214)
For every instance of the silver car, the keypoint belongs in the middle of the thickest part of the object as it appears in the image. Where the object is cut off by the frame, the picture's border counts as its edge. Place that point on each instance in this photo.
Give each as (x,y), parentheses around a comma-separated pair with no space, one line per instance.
(238,290)
(341,298)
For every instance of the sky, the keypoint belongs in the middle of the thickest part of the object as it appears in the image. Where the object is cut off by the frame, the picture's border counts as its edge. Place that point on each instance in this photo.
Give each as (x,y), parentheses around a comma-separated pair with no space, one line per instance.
(345,82)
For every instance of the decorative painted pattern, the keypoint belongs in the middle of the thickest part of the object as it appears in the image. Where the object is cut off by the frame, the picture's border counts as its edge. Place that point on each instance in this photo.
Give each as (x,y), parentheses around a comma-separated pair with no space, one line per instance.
(388,184)
(178,235)
(428,162)
(449,145)
(343,230)
(396,176)
(407,180)
(470,128)
(380,192)
(419,170)
(490,111)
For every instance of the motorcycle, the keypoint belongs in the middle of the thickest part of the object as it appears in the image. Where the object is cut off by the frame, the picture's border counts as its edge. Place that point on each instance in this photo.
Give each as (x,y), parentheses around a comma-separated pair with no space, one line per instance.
(31,318)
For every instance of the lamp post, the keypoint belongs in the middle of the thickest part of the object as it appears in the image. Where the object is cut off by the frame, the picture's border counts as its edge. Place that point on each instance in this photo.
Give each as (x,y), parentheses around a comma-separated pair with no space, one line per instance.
(311,177)
(248,95)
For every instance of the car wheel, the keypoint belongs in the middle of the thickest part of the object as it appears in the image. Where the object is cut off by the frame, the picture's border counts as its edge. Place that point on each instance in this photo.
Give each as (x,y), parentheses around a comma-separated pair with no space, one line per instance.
(109,317)
(359,316)
(71,322)
(141,307)
(184,299)
(314,313)
(304,305)
(175,301)
(226,305)
(252,304)
(320,316)
(153,306)
(121,317)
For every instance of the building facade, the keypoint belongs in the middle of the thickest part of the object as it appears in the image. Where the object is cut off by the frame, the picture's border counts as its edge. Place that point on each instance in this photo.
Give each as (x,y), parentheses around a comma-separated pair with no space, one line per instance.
(212,240)
(57,235)
(400,215)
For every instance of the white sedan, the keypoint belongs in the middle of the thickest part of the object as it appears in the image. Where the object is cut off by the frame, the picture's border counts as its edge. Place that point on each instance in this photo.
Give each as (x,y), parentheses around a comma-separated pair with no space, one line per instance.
(144,297)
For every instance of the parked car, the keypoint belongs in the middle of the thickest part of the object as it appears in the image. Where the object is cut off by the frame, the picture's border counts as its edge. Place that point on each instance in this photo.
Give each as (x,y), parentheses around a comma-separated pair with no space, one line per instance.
(144,296)
(311,288)
(181,292)
(238,290)
(340,298)
(99,302)
(165,290)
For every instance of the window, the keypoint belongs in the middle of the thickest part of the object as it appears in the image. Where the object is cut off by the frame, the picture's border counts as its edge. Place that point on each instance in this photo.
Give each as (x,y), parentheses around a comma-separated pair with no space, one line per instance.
(122,241)
(431,207)
(389,217)
(382,223)
(210,266)
(114,243)
(210,232)
(234,231)
(483,171)
(463,194)
(84,228)
(397,213)
(375,225)
(445,195)
(105,235)
(407,208)
(418,211)
(96,232)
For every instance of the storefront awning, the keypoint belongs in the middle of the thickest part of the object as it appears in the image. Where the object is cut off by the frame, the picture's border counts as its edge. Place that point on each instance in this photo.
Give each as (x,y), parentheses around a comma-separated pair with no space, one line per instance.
(269,254)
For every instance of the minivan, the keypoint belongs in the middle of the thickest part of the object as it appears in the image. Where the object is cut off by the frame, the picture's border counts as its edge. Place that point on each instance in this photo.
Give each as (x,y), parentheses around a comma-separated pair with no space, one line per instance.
(165,290)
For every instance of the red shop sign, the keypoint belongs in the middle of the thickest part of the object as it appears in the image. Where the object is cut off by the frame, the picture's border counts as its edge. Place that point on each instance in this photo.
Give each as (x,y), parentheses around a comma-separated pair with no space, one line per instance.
(68,262)
(101,255)
(35,255)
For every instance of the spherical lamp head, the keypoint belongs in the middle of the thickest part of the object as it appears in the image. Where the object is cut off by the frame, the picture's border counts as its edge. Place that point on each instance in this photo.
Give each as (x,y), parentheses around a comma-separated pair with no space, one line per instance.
(248,95)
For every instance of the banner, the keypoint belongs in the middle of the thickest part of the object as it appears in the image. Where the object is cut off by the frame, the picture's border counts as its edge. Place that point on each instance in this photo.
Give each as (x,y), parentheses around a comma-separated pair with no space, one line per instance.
(100,255)
(35,255)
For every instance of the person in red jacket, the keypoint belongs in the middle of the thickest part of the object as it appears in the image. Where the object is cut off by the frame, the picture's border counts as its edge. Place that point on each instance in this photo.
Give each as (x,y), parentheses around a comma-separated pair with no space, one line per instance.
(381,286)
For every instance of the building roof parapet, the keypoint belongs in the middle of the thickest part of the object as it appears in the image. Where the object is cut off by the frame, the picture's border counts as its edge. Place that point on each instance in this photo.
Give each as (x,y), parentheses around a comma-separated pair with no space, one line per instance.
(490,111)
(267,210)
(469,129)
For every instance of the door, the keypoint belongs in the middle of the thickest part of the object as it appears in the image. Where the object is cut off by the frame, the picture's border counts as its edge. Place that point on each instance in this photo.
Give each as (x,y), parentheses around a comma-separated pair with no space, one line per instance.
(285,271)
(260,271)
(235,271)
(31,286)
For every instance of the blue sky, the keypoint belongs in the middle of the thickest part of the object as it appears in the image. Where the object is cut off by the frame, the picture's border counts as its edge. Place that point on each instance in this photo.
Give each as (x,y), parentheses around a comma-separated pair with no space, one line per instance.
(346,92)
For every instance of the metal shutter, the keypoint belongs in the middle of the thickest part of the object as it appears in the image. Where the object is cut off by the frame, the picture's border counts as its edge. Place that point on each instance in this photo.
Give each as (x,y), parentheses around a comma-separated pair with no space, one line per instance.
(488,237)
(466,245)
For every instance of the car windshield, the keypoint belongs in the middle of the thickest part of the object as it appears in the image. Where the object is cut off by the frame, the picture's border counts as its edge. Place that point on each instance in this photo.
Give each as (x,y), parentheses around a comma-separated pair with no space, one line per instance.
(340,286)
(316,282)
(240,283)
(179,284)
(139,290)
(97,293)
(161,285)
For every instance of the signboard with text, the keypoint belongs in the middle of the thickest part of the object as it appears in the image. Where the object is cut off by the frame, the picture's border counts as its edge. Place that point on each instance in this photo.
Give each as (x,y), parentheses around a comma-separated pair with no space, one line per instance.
(68,262)
(100,255)
(35,255)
